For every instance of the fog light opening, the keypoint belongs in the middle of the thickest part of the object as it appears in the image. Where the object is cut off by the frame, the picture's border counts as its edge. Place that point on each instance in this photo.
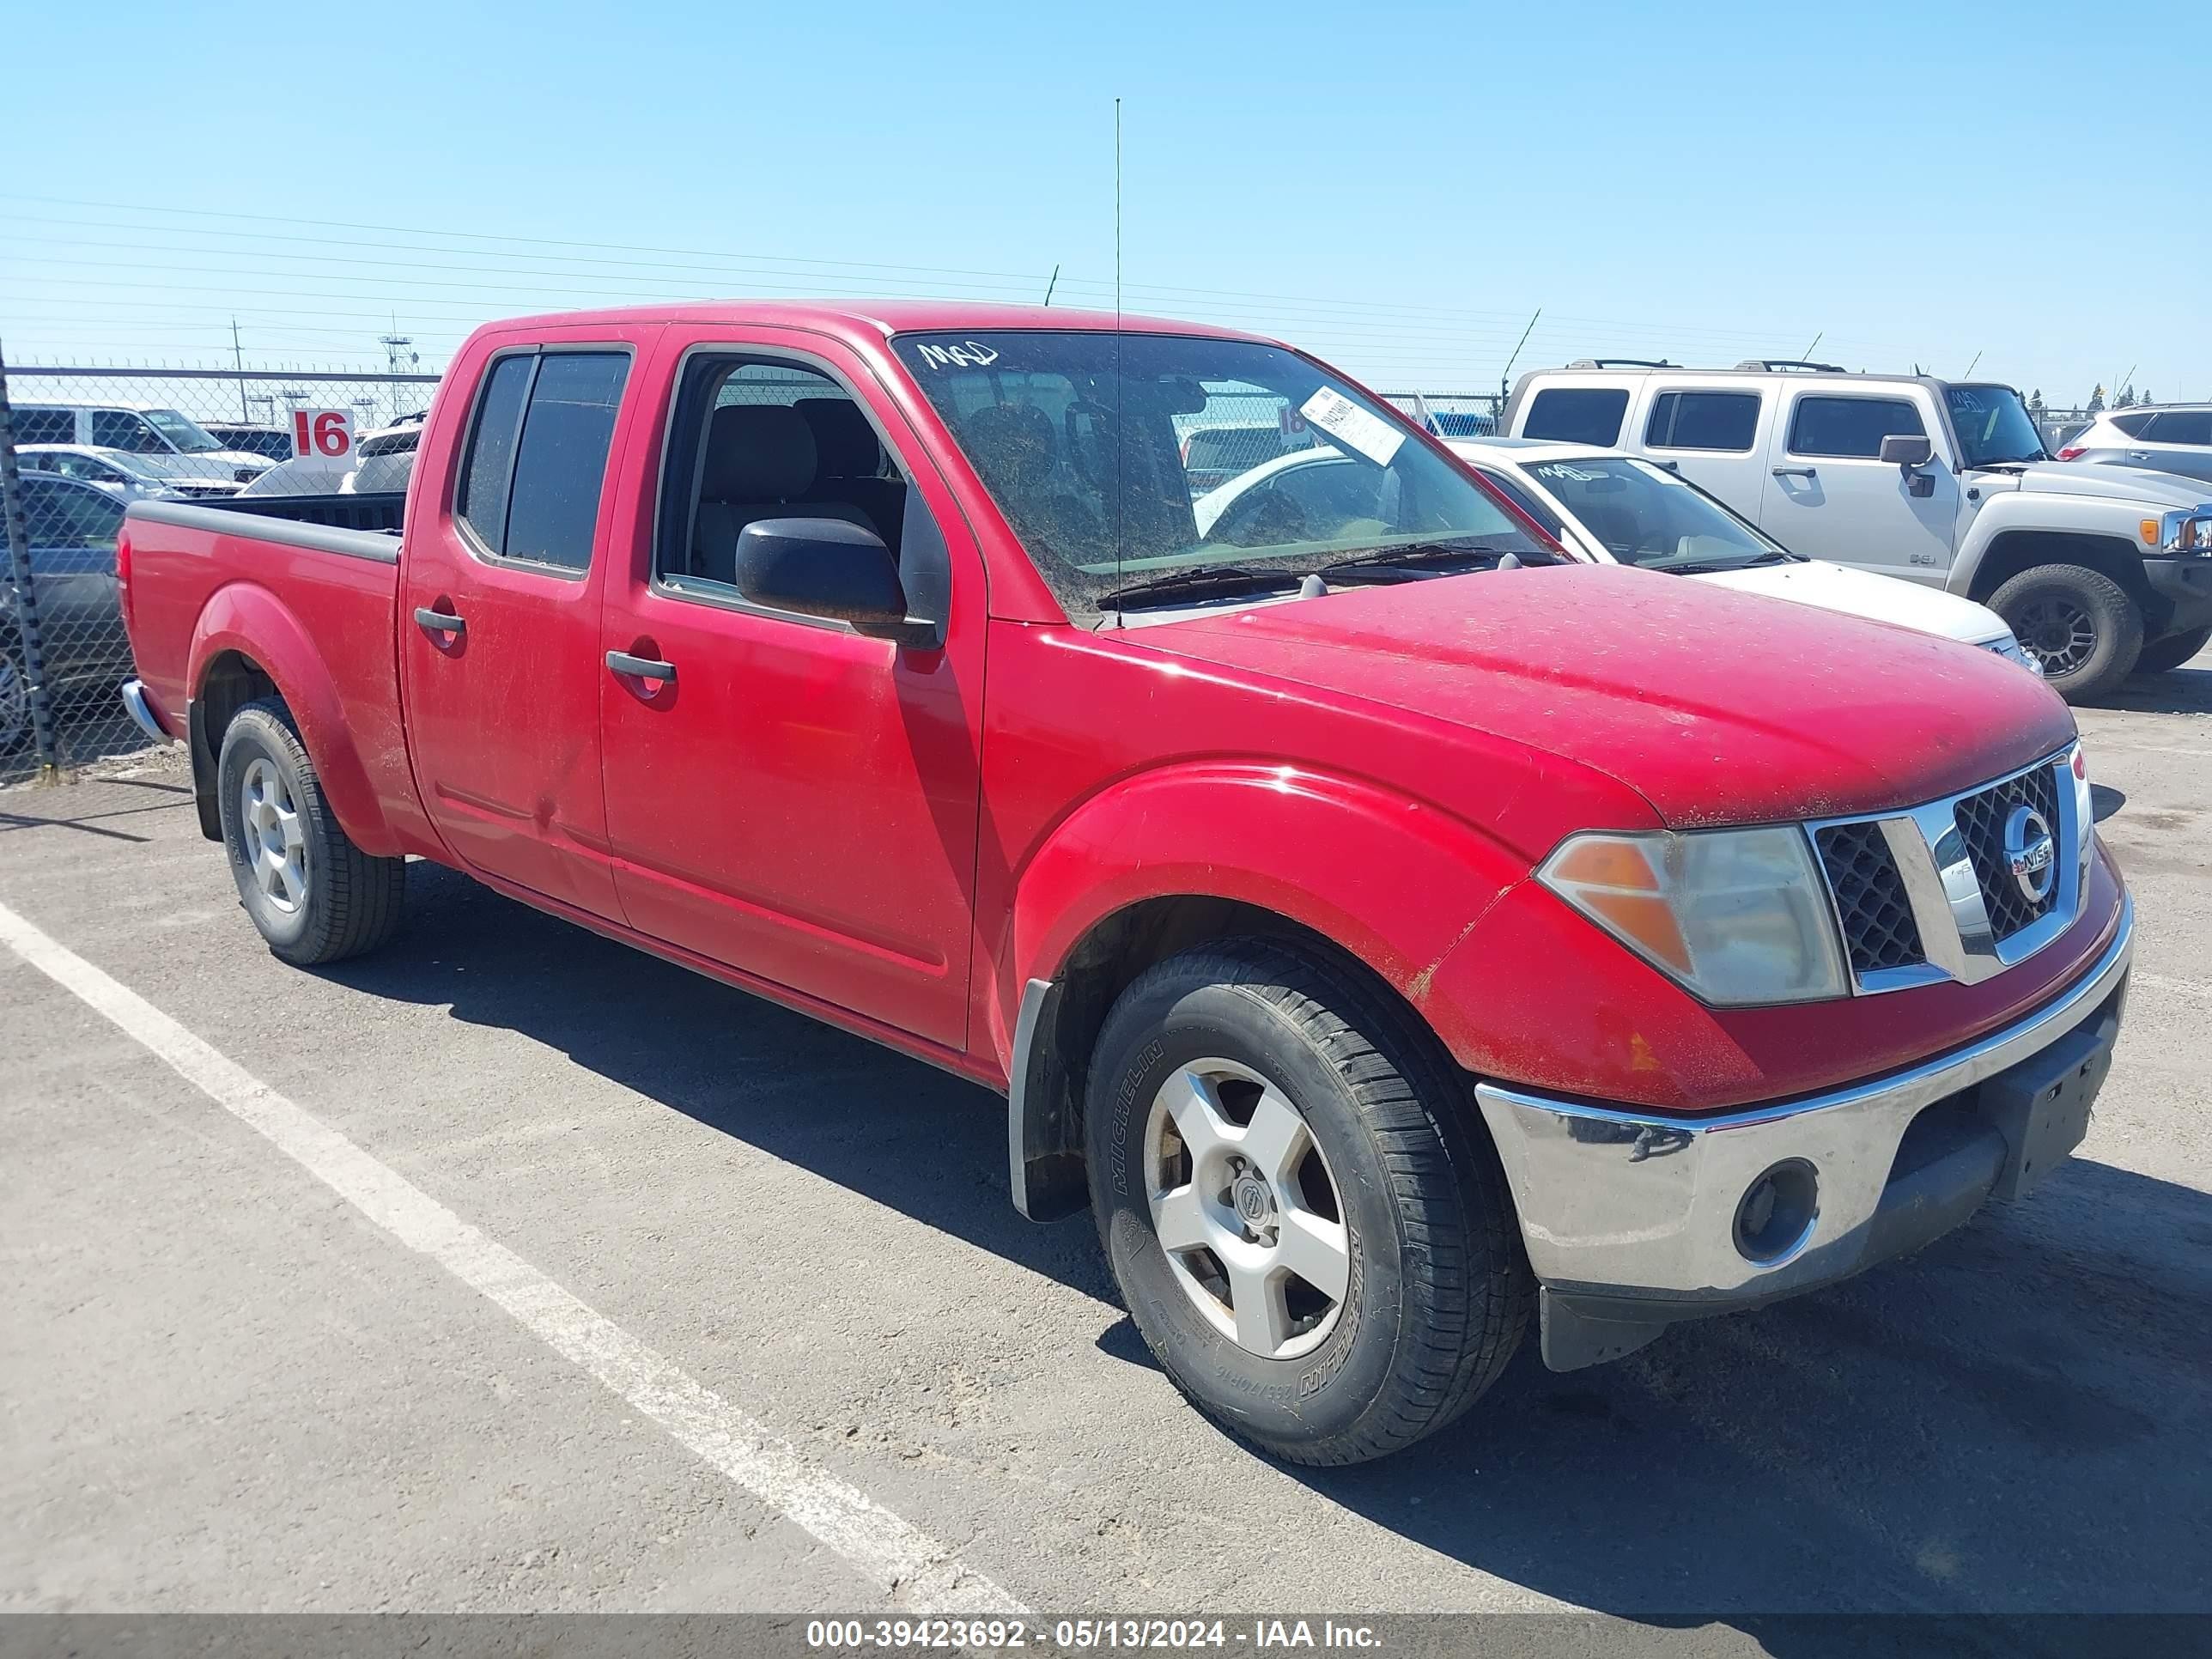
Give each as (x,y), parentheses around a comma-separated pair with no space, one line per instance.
(1778,1211)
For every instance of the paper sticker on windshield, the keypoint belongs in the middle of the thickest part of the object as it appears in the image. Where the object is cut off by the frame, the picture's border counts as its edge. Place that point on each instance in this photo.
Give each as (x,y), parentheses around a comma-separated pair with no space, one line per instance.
(1352,426)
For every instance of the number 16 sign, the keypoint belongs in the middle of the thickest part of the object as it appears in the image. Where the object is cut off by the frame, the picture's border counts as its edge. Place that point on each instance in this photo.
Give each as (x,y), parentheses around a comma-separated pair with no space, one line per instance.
(325,433)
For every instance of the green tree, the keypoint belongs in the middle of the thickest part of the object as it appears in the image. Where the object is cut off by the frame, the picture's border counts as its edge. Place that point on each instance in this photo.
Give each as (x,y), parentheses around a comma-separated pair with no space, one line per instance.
(2097,401)
(2035,401)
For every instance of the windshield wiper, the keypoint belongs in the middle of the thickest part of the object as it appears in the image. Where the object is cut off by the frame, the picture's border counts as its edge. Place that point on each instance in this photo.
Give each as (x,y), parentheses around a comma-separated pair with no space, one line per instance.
(1209,582)
(1406,563)
(1718,567)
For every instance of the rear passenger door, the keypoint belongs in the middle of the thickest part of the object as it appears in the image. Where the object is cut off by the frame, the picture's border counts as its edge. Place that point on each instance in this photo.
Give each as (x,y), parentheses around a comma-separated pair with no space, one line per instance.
(1830,495)
(1715,435)
(2177,441)
(508,543)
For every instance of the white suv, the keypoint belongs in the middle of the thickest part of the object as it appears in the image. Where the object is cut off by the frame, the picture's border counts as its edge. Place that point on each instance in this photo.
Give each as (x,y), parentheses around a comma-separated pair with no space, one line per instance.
(2100,571)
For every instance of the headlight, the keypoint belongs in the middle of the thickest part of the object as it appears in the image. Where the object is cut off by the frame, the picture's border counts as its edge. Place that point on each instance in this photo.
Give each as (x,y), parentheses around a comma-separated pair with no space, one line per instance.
(1735,916)
(2185,530)
(2011,650)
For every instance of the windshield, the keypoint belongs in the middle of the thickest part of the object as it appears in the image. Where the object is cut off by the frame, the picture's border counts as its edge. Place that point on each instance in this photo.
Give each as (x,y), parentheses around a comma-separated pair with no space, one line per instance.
(1645,515)
(1122,458)
(1993,425)
(186,434)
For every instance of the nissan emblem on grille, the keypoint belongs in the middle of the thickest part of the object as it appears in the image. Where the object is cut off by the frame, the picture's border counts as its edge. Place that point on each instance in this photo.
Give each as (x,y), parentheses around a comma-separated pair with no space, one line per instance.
(2029,853)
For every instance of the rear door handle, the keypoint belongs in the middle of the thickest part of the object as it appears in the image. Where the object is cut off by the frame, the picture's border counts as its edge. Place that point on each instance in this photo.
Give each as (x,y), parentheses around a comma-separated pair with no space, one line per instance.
(440,622)
(640,668)
(1797,472)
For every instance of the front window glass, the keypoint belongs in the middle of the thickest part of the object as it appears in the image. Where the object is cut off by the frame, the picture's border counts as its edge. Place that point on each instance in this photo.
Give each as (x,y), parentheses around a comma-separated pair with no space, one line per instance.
(1645,515)
(1993,425)
(126,429)
(1851,429)
(1102,450)
(188,435)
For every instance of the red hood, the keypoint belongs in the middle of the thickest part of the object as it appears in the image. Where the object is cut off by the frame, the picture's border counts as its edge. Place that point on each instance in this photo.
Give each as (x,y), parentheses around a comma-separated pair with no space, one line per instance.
(1718,706)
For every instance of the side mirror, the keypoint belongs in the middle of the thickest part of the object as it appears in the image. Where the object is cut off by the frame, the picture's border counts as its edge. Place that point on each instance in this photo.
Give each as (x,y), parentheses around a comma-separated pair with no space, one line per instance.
(1906,449)
(828,568)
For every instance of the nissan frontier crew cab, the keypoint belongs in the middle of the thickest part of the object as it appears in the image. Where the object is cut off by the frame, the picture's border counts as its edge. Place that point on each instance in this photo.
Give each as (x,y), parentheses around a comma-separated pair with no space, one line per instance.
(1391,931)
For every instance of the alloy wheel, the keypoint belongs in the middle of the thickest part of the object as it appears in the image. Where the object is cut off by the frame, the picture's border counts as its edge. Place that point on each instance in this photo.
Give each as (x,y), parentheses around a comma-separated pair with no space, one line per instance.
(275,840)
(1246,1208)
(2059,634)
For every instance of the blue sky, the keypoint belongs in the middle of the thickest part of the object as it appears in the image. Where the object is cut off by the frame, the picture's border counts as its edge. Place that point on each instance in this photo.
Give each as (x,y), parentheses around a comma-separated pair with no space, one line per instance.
(1397,186)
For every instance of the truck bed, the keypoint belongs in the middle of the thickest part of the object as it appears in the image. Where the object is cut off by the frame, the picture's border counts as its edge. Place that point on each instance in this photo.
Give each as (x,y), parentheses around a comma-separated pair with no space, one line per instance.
(297,589)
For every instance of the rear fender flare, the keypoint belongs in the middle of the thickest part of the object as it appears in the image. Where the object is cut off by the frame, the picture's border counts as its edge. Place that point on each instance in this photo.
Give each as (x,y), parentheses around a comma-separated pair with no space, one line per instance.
(248,619)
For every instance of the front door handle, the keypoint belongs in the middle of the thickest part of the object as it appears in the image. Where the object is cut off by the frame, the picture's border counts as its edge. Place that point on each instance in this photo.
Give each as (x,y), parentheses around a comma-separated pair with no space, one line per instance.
(640,668)
(1797,472)
(2138,454)
(440,622)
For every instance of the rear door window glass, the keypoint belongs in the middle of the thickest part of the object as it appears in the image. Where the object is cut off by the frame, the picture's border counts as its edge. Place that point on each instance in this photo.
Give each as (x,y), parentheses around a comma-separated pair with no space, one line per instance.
(560,462)
(481,503)
(2135,426)
(1703,420)
(46,425)
(1577,415)
(2181,426)
(1851,429)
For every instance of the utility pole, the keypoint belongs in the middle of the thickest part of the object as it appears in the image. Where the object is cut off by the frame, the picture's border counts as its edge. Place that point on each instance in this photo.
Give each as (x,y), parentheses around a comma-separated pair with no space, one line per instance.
(1506,378)
(238,361)
(393,345)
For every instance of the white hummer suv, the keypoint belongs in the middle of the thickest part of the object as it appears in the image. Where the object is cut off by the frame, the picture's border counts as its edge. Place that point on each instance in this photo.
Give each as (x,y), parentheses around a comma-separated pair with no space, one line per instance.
(2101,571)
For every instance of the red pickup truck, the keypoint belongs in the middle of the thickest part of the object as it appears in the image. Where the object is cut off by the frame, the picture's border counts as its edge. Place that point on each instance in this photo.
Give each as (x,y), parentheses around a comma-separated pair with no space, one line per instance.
(1385,930)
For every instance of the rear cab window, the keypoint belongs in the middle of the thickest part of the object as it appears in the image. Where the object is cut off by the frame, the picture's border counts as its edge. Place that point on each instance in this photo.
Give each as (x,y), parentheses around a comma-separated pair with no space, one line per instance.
(1842,428)
(537,458)
(1577,415)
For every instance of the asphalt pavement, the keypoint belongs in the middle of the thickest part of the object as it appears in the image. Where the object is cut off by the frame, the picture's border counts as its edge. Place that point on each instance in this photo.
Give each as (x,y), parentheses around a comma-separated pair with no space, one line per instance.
(511,1269)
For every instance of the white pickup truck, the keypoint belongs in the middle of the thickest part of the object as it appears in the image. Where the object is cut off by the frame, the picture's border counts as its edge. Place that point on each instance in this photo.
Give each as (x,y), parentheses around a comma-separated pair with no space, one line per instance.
(2100,571)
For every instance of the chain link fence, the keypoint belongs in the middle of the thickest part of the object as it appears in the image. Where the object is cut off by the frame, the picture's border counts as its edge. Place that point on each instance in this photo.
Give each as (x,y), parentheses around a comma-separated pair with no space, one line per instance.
(78,444)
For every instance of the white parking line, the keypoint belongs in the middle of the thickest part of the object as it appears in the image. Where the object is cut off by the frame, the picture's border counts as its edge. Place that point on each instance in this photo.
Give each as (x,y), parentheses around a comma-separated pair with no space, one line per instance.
(921,1572)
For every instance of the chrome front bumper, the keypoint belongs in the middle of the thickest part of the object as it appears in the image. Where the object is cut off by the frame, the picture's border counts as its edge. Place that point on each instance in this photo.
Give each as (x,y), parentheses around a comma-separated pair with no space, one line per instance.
(1631,1219)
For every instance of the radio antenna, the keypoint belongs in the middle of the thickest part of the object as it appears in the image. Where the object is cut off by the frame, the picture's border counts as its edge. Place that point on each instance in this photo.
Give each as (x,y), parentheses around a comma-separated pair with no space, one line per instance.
(1117,213)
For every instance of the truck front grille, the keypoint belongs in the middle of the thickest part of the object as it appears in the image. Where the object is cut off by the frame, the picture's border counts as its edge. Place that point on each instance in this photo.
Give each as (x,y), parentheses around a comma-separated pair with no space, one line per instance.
(1981,819)
(1879,928)
(1927,893)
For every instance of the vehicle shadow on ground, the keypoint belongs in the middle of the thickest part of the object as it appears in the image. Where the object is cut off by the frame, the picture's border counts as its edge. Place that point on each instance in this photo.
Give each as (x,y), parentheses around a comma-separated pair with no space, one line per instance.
(2177,691)
(2011,1420)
